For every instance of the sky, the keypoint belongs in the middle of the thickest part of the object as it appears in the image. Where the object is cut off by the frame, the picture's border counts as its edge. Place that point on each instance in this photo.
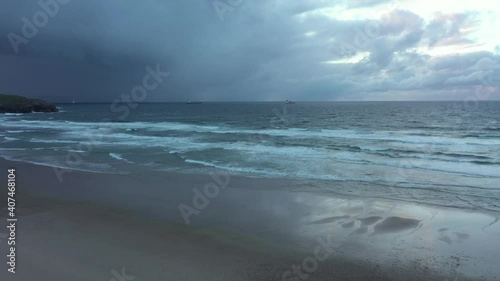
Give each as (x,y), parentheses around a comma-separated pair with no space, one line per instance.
(249,50)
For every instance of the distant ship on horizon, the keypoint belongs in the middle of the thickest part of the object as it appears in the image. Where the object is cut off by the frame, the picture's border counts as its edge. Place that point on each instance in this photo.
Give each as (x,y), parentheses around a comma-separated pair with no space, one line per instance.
(289,102)
(193,102)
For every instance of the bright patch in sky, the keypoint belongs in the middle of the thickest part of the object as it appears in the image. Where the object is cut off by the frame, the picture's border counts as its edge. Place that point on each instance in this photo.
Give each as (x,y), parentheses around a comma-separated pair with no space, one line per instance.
(483,30)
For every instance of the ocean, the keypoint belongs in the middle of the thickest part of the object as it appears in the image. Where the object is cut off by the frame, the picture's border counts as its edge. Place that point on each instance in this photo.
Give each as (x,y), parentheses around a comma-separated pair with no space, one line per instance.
(436,153)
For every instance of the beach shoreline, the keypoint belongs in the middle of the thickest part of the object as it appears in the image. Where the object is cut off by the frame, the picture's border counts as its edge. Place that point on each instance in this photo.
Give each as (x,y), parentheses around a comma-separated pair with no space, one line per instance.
(91,224)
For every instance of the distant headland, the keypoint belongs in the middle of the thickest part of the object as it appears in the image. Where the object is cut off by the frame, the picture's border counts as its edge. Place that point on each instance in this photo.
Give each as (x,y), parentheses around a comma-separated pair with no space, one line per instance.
(19,104)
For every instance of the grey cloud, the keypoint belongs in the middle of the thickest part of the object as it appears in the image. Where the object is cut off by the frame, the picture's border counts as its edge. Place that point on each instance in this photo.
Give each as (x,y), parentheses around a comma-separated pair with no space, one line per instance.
(399,21)
(95,50)
(448,29)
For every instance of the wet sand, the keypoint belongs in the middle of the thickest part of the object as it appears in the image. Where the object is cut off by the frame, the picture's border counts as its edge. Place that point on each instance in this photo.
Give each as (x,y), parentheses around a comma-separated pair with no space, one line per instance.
(99,226)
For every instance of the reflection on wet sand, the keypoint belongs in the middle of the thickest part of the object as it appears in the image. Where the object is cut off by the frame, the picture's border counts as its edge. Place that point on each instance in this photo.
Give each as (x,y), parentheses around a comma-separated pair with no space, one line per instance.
(395,224)
(329,220)
(388,225)
(450,238)
(369,220)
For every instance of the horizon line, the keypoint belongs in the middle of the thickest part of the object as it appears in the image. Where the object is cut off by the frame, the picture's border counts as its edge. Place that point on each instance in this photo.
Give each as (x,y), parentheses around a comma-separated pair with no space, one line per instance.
(277,101)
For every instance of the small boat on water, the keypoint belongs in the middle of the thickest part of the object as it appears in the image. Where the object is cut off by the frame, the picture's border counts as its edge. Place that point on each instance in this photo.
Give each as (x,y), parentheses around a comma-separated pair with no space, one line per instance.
(289,102)
(193,102)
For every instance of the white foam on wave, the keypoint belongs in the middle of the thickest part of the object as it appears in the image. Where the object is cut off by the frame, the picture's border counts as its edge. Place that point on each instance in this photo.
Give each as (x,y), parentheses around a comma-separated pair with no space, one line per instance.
(245,170)
(120,139)
(369,148)
(274,173)
(51,141)
(392,136)
(13,114)
(118,156)
(151,126)
(280,157)
(389,136)
(87,129)
(106,134)
(77,151)
(49,161)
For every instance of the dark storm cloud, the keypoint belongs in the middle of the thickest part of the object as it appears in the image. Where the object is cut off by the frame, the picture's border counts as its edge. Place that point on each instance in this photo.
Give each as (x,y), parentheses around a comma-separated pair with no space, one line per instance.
(262,50)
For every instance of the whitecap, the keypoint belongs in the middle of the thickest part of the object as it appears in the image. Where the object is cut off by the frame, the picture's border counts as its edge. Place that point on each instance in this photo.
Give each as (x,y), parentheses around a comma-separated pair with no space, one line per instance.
(118,156)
